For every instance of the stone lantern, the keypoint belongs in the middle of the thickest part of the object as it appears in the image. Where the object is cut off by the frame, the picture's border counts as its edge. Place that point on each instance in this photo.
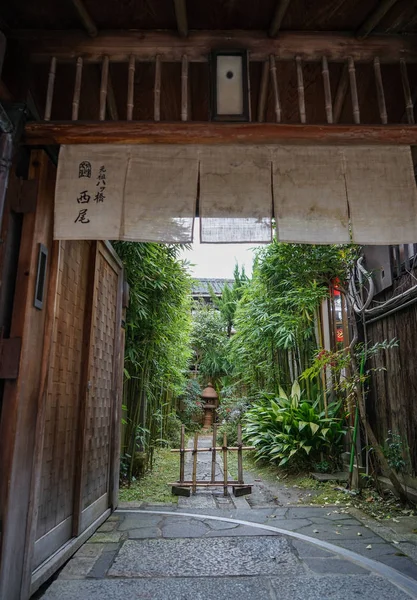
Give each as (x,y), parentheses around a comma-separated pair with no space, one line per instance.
(210,398)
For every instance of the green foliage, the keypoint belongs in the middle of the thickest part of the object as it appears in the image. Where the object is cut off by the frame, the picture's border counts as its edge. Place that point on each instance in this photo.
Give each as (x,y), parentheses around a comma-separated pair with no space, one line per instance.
(210,343)
(191,405)
(230,413)
(157,355)
(275,321)
(293,430)
(394,452)
(228,301)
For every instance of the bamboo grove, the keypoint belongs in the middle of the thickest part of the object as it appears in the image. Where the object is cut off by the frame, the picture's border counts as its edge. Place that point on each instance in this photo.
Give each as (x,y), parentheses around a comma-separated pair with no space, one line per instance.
(157,348)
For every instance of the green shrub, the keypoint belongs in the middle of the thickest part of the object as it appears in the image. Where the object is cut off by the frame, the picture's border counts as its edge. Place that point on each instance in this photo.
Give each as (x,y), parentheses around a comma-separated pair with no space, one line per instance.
(192,412)
(294,430)
(173,430)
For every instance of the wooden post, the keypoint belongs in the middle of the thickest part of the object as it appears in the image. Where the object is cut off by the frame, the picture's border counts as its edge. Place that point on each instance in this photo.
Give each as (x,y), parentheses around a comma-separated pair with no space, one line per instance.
(184,88)
(50,90)
(380,91)
(239,454)
(277,103)
(409,106)
(263,93)
(157,90)
(225,464)
(77,89)
(103,87)
(130,88)
(354,91)
(213,454)
(327,90)
(182,454)
(195,462)
(300,84)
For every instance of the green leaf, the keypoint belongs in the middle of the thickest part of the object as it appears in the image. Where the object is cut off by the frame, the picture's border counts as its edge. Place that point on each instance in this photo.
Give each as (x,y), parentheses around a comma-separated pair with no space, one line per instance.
(314,427)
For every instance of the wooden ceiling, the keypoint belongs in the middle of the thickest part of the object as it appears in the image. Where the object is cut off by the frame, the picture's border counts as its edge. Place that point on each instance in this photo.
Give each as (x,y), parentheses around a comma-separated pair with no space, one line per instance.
(96,21)
(299,15)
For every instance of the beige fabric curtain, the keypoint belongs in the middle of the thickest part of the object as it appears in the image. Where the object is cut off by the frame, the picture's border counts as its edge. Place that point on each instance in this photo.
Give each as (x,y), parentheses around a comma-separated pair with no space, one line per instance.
(139,193)
(382,195)
(310,195)
(235,194)
(321,195)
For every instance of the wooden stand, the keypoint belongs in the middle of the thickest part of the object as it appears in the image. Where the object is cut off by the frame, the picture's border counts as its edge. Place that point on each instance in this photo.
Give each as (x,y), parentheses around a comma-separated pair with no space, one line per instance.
(182,487)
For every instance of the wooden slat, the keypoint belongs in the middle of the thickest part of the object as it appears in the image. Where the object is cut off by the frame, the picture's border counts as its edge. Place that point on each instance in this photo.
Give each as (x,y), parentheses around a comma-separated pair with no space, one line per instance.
(341,92)
(280,10)
(81,455)
(374,18)
(119,45)
(85,18)
(354,91)
(184,89)
(50,90)
(157,90)
(263,92)
(380,91)
(77,89)
(130,88)
(195,455)
(182,455)
(300,88)
(181,17)
(275,89)
(103,87)
(327,90)
(123,132)
(409,105)
(213,454)
(225,484)
(239,454)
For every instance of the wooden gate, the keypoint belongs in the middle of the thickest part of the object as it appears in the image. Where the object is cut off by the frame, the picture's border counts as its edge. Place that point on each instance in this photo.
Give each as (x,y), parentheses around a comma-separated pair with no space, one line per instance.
(62,412)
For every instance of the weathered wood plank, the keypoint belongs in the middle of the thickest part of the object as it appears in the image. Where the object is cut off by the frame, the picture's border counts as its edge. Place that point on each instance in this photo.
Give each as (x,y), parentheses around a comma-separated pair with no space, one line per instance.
(119,46)
(123,132)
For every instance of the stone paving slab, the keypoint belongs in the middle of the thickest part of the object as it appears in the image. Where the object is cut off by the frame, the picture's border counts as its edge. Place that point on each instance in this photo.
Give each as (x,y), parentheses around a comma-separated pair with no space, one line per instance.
(304,587)
(206,557)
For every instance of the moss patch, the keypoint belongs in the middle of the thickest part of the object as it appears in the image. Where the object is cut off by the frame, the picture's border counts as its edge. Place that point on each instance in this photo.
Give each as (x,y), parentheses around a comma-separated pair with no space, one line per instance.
(153,487)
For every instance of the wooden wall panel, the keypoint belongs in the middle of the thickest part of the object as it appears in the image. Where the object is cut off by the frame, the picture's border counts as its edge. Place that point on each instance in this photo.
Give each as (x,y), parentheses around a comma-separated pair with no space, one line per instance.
(100,397)
(63,395)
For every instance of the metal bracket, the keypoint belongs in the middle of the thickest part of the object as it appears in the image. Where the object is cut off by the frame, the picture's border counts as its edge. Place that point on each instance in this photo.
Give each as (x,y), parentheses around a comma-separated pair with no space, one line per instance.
(10,357)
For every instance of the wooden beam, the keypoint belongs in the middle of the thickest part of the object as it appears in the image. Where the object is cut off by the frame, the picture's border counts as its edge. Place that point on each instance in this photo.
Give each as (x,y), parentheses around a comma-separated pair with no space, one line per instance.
(85,18)
(125,132)
(181,17)
(374,18)
(67,46)
(280,10)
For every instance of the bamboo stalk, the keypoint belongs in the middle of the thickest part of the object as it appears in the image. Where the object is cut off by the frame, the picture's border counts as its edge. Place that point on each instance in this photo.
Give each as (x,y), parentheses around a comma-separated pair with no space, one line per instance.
(77,89)
(157,90)
(103,87)
(341,94)
(300,87)
(184,88)
(354,91)
(213,454)
(50,90)
(239,454)
(327,90)
(409,106)
(275,89)
(130,88)
(182,455)
(263,93)
(225,464)
(195,462)
(202,483)
(380,91)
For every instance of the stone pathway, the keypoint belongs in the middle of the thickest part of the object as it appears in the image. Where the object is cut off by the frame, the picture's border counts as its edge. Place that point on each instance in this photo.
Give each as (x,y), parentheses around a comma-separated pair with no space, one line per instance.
(210,547)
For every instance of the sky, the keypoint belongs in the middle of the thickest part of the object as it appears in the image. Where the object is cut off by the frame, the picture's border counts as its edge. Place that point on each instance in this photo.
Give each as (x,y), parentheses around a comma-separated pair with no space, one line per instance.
(217,260)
